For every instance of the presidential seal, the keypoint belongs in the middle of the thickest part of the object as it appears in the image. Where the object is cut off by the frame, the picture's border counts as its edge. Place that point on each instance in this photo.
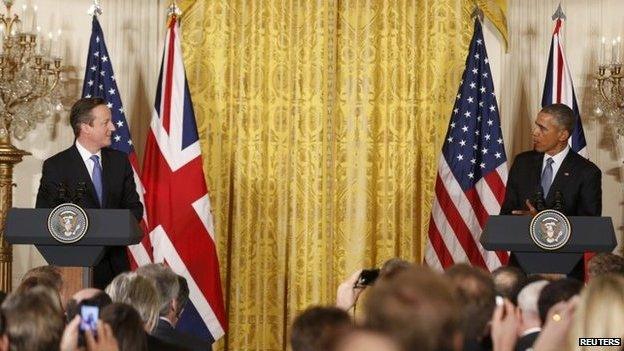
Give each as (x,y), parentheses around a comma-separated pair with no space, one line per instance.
(550,229)
(68,223)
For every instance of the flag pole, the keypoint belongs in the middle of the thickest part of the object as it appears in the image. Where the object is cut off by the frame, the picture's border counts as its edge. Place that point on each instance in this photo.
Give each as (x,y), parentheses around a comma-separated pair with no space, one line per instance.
(174,9)
(559,14)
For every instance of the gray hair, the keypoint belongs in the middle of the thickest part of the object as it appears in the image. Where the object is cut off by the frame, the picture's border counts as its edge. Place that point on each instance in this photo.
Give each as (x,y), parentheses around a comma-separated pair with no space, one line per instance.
(166,282)
(138,292)
(528,296)
(563,115)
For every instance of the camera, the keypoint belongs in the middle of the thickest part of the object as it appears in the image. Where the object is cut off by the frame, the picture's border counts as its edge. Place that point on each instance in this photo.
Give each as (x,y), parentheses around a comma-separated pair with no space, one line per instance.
(367,277)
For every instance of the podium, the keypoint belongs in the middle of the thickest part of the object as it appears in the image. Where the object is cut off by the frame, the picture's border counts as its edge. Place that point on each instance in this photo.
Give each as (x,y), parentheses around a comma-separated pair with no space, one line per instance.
(107,227)
(511,233)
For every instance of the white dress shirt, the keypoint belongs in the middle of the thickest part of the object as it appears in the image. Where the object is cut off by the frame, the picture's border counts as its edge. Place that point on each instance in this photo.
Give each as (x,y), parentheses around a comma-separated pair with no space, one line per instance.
(86,158)
(557,161)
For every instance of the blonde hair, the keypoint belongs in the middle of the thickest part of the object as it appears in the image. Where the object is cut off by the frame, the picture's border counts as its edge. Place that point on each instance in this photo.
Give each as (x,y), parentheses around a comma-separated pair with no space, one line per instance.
(138,292)
(600,312)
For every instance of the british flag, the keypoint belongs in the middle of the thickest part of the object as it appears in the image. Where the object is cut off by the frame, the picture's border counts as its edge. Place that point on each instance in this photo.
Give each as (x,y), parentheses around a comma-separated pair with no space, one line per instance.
(472,170)
(180,225)
(558,88)
(100,81)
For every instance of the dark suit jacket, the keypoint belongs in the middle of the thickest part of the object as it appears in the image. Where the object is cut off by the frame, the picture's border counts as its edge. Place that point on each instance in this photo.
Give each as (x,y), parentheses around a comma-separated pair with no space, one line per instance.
(578,180)
(526,341)
(118,191)
(166,332)
(156,344)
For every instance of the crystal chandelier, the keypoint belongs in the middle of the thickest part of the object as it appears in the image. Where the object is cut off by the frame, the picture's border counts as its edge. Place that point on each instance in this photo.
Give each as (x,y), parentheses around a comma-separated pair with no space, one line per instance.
(609,90)
(29,74)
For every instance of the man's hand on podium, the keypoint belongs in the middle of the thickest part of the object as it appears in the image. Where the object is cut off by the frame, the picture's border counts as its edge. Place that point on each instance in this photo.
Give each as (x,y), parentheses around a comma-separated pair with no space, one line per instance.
(532,211)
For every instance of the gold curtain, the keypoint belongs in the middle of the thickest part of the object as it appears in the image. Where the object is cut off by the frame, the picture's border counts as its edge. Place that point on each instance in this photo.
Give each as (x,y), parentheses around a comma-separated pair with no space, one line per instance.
(321,124)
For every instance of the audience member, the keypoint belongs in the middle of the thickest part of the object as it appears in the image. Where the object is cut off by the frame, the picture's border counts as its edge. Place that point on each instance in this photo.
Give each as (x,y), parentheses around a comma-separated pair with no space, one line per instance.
(366,340)
(127,326)
(506,280)
(34,320)
(392,267)
(529,323)
(417,308)
(319,328)
(557,291)
(600,311)
(88,296)
(604,263)
(140,292)
(173,294)
(476,297)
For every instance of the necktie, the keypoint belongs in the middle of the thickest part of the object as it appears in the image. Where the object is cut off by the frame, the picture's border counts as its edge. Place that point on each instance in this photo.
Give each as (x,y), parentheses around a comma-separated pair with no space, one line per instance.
(97,177)
(547,176)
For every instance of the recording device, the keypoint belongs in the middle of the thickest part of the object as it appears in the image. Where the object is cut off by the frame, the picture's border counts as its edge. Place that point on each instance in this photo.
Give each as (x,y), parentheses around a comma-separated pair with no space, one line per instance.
(88,317)
(88,321)
(367,277)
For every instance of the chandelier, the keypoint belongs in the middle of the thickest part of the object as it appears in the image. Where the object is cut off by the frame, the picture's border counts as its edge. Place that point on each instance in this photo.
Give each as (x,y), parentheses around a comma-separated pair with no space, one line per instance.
(608,90)
(30,69)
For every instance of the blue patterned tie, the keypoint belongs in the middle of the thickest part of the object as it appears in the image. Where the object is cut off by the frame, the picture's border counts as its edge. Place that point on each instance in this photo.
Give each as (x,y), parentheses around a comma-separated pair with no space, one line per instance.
(547,176)
(97,177)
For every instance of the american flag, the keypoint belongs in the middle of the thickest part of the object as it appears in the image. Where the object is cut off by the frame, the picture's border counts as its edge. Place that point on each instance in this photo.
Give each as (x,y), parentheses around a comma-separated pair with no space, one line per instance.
(180,224)
(472,170)
(558,88)
(100,81)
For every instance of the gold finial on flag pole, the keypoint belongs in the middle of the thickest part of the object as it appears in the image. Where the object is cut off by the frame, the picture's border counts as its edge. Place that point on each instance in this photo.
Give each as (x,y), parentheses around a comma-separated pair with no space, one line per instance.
(174,9)
(95,9)
(559,14)
(477,12)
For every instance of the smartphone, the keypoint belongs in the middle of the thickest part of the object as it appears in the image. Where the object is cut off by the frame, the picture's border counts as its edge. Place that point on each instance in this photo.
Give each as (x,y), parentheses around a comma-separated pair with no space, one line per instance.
(88,317)
(367,277)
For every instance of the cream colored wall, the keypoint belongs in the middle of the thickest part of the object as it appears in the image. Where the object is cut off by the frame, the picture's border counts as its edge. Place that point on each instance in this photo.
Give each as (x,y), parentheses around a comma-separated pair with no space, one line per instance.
(522,72)
(134,32)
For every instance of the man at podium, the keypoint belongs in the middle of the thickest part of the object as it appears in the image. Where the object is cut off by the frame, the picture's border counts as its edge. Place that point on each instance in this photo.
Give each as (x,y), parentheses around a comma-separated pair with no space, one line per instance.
(95,176)
(552,175)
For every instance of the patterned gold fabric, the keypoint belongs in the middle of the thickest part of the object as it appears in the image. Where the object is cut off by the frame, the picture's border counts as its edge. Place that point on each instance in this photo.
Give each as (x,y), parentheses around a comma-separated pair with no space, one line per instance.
(321,123)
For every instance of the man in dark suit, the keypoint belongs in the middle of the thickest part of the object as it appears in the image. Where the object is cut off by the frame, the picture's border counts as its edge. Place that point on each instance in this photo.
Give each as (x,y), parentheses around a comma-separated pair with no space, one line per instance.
(105,174)
(552,175)
(552,172)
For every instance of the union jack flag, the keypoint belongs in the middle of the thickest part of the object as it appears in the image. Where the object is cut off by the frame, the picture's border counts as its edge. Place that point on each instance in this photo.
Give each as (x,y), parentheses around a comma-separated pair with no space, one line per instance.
(180,225)
(472,170)
(100,81)
(558,88)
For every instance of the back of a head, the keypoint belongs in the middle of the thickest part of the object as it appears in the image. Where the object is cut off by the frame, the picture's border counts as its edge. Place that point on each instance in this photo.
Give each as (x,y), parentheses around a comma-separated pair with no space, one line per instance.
(34,322)
(99,298)
(600,311)
(476,297)
(557,291)
(528,296)
(605,263)
(393,266)
(140,293)
(318,328)
(127,326)
(48,272)
(506,280)
(417,308)
(366,340)
(166,282)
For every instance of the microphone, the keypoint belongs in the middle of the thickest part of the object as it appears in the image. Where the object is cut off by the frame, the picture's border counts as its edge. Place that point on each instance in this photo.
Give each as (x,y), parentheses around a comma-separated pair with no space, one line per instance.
(559,201)
(538,200)
(61,195)
(79,193)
